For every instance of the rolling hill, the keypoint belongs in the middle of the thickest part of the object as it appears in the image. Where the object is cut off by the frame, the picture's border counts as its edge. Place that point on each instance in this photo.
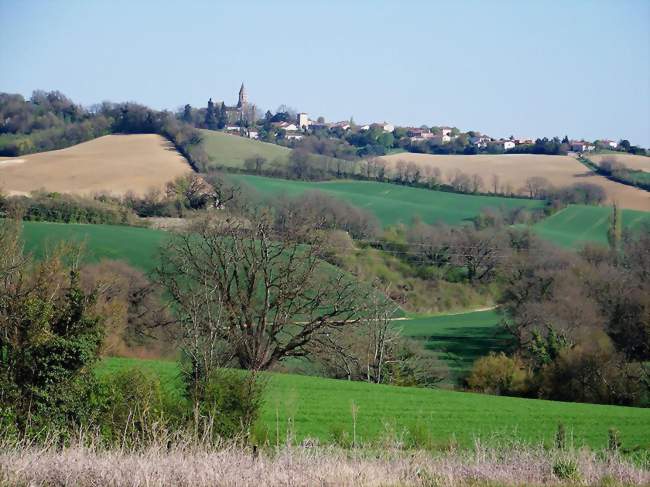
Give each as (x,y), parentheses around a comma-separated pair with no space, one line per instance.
(513,170)
(313,407)
(114,164)
(391,203)
(227,151)
(577,225)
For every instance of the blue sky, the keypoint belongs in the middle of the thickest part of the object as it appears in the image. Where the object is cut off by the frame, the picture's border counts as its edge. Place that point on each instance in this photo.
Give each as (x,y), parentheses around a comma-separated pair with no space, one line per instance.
(528,68)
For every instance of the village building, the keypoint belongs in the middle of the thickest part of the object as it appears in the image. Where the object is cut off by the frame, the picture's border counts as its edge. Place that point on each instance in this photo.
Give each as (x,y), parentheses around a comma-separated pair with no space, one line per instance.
(243,113)
(581,146)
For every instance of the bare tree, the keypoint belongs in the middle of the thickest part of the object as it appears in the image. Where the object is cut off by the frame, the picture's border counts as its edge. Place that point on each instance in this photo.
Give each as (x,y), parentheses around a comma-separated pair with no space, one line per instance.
(537,186)
(477,183)
(241,291)
(495,183)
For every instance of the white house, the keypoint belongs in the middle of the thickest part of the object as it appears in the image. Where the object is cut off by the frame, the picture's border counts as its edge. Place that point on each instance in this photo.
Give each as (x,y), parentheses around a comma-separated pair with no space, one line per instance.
(440,138)
(609,143)
(303,121)
(581,146)
(386,127)
(445,131)
(480,141)
(508,144)
(253,134)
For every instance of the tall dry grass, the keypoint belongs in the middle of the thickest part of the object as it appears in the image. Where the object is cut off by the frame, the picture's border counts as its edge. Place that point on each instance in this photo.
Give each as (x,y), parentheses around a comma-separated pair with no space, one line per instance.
(199,465)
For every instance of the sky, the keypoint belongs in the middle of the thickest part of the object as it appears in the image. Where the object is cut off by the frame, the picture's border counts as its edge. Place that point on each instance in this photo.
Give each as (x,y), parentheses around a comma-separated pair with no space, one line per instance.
(522,68)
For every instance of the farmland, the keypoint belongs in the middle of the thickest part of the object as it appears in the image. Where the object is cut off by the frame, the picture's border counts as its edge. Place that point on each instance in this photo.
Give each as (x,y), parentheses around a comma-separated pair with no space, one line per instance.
(230,151)
(458,339)
(321,408)
(114,164)
(137,246)
(640,163)
(514,169)
(577,225)
(389,202)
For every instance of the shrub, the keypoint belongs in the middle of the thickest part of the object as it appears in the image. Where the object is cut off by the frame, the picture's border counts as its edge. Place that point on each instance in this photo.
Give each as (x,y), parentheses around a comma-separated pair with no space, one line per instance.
(566,469)
(498,374)
(230,401)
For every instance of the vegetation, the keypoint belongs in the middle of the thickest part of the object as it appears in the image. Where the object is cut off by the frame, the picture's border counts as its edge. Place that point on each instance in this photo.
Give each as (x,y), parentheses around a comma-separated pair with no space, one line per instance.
(313,407)
(391,203)
(578,225)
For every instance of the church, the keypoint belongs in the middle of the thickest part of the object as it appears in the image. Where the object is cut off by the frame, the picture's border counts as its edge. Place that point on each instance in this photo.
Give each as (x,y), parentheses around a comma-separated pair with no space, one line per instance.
(242,114)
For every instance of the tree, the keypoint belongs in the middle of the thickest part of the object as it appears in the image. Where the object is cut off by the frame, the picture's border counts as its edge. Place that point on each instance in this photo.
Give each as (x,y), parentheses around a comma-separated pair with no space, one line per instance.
(537,186)
(615,230)
(255,163)
(49,337)
(187,114)
(242,292)
(211,116)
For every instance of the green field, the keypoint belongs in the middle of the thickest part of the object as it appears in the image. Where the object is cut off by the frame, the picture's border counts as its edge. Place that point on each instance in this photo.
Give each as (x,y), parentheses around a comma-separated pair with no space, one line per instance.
(230,151)
(391,203)
(137,246)
(459,339)
(317,407)
(577,225)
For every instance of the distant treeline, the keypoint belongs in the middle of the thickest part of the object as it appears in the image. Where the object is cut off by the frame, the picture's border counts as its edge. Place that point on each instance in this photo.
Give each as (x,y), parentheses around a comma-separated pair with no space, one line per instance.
(613,169)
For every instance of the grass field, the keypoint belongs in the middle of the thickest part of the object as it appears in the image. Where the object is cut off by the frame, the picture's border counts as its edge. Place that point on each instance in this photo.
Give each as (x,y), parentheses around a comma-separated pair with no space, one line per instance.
(577,225)
(137,246)
(514,169)
(322,408)
(230,151)
(458,339)
(391,203)
(113,163)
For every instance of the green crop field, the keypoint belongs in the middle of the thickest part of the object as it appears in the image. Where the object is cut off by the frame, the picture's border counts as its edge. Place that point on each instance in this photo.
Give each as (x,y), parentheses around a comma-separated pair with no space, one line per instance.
(137,246)
(230,151)
(391,203)
(322,408)
(458,340)
(577,225)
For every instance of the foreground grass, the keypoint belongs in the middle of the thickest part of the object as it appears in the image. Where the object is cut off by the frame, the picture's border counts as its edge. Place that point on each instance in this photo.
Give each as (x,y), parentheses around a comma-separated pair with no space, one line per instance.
(392,203)
(197,465)
(577,225)
(301,407)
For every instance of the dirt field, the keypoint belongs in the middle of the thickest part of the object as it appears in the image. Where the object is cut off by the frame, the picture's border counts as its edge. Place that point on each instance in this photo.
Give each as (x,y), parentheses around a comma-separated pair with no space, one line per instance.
(641,163)
(513,170)
(113,163)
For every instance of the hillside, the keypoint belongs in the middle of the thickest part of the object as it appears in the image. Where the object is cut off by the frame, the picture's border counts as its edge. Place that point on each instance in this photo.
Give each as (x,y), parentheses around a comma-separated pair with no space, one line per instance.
(458,339)
(577,225)
(113,163)
(641,163)
(391,203)
(314,407)
(513,170)
(230,151)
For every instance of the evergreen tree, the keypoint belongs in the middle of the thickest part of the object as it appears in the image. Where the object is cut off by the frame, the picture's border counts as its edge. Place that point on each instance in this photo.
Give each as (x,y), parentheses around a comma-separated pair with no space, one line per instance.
(210,116)
(187,114)
(222,119)
(615,231)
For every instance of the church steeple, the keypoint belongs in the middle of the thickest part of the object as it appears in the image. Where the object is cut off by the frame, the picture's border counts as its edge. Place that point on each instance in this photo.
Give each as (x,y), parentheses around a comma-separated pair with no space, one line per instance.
(243,99)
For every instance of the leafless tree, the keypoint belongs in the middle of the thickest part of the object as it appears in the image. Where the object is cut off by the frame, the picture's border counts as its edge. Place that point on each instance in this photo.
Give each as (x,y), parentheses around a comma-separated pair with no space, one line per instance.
(477,183)
(495,183)
(242,292)
(537,186)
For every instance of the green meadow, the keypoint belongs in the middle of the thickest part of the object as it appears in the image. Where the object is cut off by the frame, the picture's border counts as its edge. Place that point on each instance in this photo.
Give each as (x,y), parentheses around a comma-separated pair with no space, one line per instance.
(577,225)
(391,203)
(230,151)
(314,407)
(135,245)
(458,339)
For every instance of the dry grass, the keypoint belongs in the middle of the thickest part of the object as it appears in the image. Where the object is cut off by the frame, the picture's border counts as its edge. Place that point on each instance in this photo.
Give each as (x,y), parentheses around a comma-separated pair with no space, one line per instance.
(641,163)
(514,169)
(325,466)
(113,163)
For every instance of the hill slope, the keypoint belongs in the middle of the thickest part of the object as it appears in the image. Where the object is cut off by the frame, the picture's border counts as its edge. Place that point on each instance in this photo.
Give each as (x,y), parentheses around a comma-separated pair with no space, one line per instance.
(230,151)
(113,163)
(577,225)
(321,408)
(514,169)
(391,203)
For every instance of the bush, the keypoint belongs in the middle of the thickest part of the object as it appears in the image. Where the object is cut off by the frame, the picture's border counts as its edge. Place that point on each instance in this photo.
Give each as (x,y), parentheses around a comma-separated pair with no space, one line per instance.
(498,374)
(133,403)
(566,470)
(230,402)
